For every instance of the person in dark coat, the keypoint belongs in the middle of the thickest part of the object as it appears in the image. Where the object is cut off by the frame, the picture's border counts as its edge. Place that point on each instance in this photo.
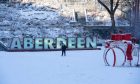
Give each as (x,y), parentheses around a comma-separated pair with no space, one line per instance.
(64,47)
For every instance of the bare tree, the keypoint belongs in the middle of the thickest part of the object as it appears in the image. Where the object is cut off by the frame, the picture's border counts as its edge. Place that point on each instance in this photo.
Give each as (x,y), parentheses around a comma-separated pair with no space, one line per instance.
(111,10)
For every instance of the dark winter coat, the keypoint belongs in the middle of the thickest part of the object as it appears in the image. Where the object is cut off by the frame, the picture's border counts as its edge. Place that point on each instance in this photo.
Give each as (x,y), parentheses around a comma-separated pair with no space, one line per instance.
(64,47)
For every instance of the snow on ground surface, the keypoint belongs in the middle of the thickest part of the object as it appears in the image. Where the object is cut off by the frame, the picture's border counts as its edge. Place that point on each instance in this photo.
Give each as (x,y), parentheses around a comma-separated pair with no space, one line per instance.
(78,67)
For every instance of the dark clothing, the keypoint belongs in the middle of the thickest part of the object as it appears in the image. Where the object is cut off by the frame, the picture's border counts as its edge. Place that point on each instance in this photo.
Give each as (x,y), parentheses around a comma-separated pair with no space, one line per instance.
(64,50)
(64,47)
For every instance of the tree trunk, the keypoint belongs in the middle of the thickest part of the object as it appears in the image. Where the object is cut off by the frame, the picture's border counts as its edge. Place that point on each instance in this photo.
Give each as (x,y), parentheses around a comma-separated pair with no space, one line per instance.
(113,29)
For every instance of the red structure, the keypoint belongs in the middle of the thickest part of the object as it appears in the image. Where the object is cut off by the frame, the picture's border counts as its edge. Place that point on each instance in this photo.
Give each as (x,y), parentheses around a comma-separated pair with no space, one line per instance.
(119,37)
(117,40)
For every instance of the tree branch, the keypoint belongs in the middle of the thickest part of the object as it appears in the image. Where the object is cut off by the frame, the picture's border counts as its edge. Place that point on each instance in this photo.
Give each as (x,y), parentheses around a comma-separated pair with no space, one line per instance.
(104,6)
(117,4)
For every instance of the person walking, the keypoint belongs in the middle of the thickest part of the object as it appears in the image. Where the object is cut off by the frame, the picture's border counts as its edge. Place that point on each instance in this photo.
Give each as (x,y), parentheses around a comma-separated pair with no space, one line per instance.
(63,48)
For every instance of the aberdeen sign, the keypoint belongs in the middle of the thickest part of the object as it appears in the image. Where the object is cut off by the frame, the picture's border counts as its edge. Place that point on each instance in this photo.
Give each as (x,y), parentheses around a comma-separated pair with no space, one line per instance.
(51,44)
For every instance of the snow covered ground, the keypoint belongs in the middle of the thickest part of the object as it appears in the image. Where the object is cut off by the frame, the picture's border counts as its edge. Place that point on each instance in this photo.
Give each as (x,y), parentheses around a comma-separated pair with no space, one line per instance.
(78,67)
